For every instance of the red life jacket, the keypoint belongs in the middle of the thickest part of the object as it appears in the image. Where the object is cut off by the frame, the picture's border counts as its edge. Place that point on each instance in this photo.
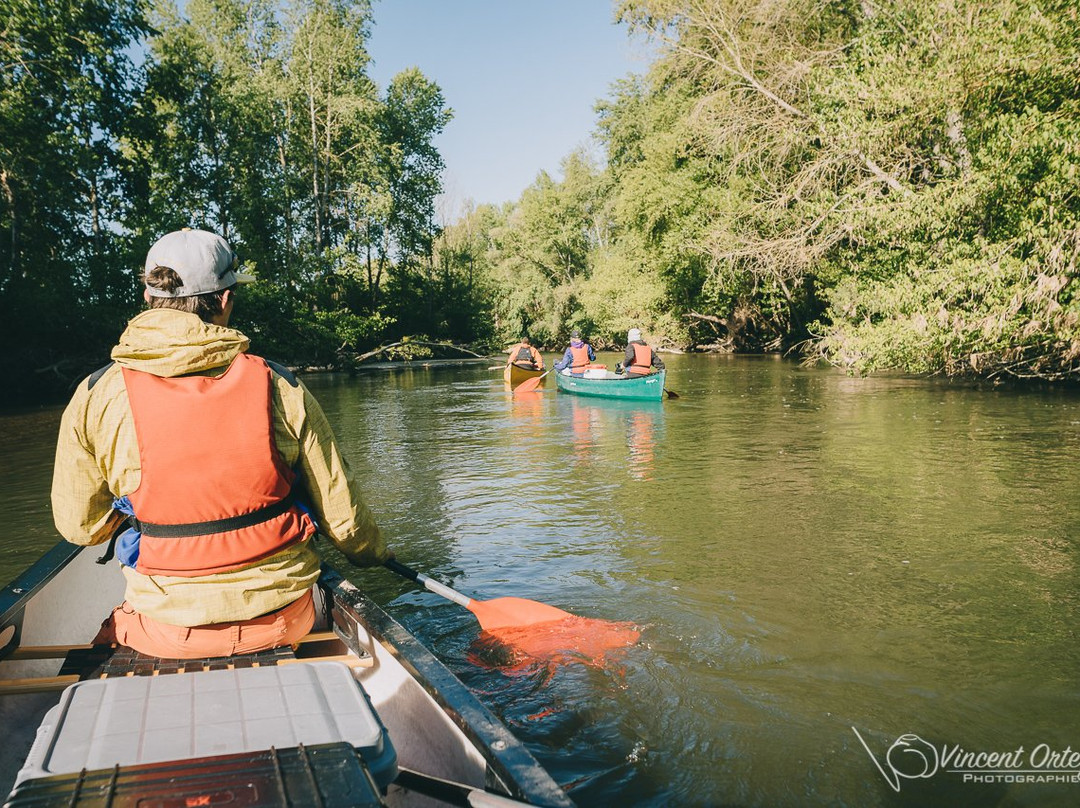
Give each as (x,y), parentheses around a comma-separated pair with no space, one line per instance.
(579,358)
(214,493)
(642,360)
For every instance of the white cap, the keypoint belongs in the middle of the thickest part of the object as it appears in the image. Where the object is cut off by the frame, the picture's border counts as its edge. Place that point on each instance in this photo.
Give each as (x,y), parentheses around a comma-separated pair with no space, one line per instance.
(633,335)
(204,261)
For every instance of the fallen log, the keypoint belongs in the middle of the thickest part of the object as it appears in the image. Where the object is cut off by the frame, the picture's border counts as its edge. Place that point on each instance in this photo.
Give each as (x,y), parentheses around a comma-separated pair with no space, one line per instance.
(384,348)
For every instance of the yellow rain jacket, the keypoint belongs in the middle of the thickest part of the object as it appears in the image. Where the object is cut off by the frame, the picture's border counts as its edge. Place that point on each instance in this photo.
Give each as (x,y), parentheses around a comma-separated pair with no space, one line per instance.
(97,459)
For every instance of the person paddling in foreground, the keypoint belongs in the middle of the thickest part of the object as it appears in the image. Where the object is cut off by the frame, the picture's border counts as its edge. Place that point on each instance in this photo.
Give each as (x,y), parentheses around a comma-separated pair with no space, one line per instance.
(639,359)
(220,465)
(525,356)
(578,355)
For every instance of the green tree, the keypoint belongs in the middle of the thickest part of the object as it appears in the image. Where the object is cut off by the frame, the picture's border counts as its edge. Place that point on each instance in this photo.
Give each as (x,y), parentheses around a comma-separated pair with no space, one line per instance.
(892,170)
(335,106)
(67,87)
(409,173)
(664,197)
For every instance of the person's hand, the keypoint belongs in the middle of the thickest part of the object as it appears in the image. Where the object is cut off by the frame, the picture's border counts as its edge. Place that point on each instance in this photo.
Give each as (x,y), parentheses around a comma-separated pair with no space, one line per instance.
(368,559)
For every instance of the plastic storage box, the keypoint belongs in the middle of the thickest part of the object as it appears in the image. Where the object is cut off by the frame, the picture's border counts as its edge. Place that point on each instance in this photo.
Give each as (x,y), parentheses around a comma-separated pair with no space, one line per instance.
(104,723)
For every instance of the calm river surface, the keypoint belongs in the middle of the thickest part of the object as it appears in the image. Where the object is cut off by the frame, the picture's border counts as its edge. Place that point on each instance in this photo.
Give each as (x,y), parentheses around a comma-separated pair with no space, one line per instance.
(806,553)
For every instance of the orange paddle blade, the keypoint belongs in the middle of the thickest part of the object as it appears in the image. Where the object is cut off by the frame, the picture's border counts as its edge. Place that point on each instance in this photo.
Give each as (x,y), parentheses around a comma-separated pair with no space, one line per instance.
(505,612)
(582,640)
(535,629)
(529,385)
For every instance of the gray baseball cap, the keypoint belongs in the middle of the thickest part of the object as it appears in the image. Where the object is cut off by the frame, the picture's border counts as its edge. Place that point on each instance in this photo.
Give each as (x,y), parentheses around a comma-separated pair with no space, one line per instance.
(204,261)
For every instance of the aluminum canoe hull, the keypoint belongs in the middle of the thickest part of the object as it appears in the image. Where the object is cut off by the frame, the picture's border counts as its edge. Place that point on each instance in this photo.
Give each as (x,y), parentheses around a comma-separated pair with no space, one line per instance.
(436,724)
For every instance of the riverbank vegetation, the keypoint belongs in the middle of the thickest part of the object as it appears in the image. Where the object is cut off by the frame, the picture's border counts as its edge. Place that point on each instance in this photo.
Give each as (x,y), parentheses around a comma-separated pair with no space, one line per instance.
(879,184)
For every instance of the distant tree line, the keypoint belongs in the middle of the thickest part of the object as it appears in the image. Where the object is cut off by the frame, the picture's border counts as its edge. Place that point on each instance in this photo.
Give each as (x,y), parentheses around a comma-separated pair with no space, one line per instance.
(879,184)
(121,120)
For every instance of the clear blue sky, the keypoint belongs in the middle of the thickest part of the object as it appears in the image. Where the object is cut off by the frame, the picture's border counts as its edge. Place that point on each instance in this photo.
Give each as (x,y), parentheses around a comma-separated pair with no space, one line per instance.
(522,77)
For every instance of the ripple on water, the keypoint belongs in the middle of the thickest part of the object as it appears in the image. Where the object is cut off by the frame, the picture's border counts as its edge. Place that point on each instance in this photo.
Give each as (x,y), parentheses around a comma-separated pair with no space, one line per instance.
(757,530)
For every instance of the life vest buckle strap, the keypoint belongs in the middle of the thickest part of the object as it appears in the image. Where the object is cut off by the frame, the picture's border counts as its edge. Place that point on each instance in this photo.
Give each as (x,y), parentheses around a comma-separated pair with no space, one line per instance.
(190,529)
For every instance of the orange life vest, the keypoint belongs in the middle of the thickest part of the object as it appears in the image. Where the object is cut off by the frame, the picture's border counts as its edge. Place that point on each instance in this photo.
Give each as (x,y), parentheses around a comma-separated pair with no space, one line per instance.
(524,357)
(214,493)
(642,360)
(579,358)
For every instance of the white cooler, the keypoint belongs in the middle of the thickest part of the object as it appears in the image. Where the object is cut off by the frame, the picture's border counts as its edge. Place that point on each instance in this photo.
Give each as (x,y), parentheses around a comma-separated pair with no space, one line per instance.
(103,723)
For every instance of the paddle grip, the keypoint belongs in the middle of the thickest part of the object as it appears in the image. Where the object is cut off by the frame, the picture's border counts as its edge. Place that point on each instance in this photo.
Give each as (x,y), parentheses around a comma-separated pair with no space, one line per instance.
(396,566)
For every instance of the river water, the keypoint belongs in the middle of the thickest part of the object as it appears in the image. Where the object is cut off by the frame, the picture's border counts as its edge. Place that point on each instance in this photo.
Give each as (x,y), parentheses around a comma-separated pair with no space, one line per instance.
(823,568)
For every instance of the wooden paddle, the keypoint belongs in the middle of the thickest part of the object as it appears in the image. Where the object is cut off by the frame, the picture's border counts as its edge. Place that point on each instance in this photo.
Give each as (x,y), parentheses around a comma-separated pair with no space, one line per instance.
(493,614)
(529,385)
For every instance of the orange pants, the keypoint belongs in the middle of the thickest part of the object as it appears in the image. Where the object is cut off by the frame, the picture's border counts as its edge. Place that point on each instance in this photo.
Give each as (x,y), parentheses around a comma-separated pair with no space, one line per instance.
(147,636)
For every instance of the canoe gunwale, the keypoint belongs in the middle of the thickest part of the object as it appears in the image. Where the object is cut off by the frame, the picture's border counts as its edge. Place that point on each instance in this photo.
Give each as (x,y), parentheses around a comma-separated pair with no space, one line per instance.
(514,770)
(17,593)
(510,769)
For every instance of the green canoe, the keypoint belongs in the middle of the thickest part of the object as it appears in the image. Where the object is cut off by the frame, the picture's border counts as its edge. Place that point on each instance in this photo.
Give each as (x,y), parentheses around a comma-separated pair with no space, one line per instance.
(638,388)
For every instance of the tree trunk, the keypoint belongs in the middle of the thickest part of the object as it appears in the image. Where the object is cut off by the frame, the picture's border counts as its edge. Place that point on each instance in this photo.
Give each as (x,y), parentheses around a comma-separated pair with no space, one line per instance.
(955,132)
(9,196)
(314,131)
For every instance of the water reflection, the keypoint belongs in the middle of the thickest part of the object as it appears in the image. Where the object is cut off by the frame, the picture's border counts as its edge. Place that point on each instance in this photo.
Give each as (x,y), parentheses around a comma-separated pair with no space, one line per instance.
(585,423)
(599,426)
(642,438)
(527,412)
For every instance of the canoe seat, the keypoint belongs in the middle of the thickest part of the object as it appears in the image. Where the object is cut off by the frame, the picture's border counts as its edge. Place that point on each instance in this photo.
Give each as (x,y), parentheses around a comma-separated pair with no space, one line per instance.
(107,661)
(81,662)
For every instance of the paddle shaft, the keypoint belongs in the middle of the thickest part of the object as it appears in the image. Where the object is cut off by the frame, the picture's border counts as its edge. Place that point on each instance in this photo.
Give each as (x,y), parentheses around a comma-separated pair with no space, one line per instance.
(432,586)
(454,793)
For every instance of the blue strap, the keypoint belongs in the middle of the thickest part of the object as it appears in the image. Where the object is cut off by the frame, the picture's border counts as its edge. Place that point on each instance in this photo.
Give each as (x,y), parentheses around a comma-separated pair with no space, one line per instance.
(127,542)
